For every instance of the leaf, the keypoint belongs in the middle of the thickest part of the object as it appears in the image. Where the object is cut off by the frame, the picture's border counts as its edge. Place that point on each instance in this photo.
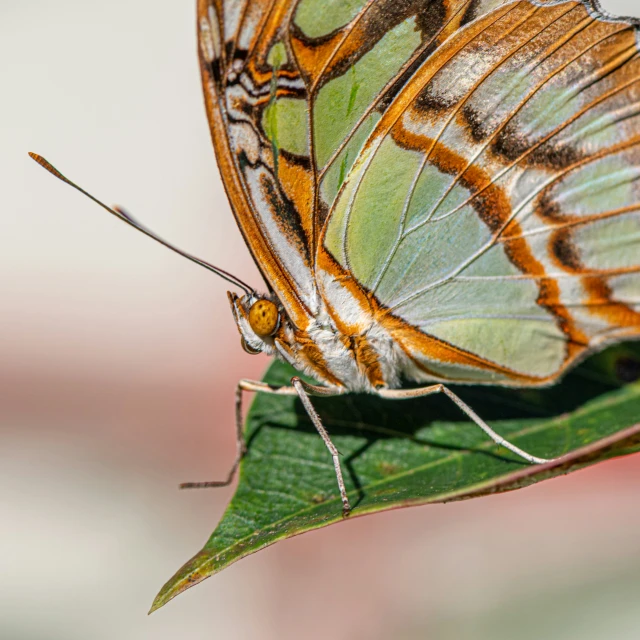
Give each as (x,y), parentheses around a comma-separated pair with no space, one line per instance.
(411,452)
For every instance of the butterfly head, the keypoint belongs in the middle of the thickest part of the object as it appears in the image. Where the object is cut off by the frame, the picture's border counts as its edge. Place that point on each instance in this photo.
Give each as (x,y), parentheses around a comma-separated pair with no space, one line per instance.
(258,319)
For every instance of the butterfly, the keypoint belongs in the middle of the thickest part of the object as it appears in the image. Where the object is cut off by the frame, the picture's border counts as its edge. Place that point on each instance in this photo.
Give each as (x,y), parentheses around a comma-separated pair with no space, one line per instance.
(435,191)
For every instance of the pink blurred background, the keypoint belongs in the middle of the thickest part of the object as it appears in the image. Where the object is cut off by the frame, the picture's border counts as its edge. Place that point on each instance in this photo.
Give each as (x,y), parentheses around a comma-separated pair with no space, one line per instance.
(119,361)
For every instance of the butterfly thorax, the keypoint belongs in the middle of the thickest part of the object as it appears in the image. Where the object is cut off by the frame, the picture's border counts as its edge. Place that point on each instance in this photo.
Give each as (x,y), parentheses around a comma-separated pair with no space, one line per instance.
(360,360)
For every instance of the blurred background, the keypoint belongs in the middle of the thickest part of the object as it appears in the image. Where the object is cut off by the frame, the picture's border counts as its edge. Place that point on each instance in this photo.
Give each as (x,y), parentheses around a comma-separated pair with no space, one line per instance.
(117,370)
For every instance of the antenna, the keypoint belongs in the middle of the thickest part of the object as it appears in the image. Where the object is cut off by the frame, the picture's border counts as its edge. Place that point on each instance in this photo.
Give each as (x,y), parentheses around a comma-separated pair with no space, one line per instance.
(120,213)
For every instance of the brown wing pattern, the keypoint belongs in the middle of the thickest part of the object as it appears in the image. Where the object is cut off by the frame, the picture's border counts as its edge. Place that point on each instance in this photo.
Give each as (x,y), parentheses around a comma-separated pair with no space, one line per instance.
(243,72)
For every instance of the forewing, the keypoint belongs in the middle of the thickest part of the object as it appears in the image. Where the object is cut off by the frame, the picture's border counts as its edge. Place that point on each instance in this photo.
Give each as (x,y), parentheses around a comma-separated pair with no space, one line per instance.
(493,204)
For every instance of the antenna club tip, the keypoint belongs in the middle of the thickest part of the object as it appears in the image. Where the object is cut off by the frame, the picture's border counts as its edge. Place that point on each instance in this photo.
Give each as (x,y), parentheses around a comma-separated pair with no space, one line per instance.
(45,164)
(39,159)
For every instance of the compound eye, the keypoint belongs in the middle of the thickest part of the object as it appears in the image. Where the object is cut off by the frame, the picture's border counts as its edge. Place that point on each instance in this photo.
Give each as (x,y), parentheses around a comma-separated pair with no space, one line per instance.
(264,318)
(247,348)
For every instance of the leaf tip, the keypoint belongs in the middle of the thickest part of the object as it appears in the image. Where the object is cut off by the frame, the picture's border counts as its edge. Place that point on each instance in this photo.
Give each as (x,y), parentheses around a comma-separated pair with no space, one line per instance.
(157,603)
(193,572)
(168,592)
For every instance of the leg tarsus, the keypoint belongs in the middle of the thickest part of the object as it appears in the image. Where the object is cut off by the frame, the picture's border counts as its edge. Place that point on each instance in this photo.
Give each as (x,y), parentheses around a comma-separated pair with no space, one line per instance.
(241,449)
(497,438)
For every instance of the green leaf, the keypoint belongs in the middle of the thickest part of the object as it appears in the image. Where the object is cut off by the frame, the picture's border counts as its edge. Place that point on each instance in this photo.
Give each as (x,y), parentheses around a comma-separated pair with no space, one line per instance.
(411,452)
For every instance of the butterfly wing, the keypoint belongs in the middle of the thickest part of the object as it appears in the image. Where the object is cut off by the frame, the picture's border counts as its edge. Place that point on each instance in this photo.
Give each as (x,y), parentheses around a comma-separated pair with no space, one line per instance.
(493,210)
(470,166)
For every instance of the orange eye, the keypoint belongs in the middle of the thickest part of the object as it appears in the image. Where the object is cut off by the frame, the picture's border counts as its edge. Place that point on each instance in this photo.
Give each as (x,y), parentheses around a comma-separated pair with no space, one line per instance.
(247,348)
(264,318)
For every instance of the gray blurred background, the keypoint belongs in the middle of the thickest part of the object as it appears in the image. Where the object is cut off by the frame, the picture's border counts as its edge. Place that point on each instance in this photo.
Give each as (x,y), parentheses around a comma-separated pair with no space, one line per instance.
(117,370)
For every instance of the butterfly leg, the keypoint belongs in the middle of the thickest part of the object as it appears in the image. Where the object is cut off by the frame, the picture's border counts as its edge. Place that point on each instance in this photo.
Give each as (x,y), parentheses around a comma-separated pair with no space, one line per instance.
(301,389)
(402,394)
(241,446)
(304,390)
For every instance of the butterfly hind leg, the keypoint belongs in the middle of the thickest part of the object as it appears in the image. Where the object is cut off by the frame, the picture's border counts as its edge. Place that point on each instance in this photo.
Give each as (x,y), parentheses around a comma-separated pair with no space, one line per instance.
(405,394)
(301,389)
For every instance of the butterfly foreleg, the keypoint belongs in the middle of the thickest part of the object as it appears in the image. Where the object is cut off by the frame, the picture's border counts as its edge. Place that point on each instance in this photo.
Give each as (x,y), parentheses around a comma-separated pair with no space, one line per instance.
(403,394)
